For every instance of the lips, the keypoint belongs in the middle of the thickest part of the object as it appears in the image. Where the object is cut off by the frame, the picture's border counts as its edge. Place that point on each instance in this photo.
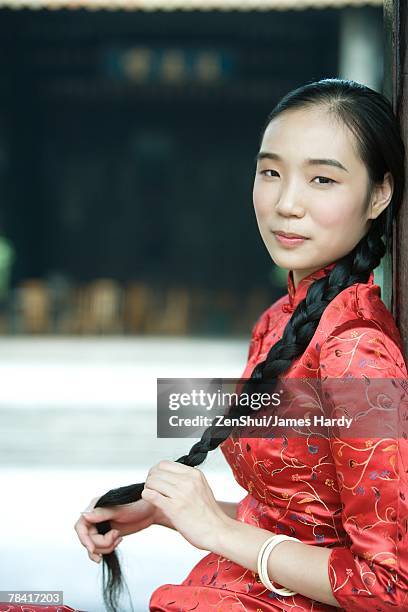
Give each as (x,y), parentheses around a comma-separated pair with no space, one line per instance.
(288,235)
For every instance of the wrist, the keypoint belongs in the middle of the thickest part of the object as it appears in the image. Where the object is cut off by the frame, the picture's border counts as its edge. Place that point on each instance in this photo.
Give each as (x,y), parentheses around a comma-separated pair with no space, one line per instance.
(229,508)
(223,535)
(159,518)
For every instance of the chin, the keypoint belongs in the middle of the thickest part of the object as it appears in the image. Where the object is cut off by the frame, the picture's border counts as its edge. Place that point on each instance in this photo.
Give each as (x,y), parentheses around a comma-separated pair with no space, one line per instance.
(289,261)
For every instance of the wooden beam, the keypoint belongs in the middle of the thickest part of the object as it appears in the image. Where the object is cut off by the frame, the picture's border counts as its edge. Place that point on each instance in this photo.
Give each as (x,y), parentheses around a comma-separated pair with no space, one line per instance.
(396,87)
(188,5)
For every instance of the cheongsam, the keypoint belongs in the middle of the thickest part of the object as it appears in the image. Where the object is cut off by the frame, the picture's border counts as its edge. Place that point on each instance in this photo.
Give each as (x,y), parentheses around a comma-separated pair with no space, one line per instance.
(351,497)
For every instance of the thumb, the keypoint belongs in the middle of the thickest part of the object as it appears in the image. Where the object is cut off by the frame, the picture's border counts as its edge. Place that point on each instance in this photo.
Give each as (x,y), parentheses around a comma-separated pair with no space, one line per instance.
(97,514)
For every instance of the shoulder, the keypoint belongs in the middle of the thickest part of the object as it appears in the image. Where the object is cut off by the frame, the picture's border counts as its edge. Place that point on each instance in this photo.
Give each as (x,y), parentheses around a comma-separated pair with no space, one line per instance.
(358,329)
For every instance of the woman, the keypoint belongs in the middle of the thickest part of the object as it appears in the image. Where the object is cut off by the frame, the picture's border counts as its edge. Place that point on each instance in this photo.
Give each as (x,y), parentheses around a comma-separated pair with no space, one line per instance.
(329,170)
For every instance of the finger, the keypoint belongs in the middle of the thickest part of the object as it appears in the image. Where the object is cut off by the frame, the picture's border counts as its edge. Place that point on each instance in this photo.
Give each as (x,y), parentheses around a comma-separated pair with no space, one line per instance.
(100,541)
(173,466)
(156,499)
(95,557)
(82,530)
(162,485)
(104,550)
(162,476)
(98,514)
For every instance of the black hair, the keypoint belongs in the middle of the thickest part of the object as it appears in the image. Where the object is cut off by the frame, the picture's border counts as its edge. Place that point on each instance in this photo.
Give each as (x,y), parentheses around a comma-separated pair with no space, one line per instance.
(369,116)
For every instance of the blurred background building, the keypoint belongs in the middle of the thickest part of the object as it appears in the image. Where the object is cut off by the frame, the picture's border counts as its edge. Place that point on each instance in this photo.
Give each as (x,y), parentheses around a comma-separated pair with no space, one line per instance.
(127,140)
(129,249)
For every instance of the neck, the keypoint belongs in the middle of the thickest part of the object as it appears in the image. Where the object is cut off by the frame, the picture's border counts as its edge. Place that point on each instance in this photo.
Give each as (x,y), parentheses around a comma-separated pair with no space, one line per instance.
(298,275)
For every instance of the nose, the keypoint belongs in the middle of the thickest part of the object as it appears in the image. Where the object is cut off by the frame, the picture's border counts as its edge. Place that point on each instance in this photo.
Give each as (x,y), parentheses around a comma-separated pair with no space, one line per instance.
(289,203)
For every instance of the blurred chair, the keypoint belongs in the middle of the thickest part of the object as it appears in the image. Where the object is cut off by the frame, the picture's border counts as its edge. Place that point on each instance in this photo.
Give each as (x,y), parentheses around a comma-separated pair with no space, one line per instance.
(99,308)
(174,317)
(137,303)
(33,304)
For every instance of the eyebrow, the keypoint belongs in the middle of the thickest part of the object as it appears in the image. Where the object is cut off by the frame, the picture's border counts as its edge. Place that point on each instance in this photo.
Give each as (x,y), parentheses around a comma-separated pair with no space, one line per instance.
(308,162)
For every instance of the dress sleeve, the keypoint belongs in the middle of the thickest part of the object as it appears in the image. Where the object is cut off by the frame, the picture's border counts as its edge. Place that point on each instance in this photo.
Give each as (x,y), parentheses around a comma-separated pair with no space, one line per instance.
(371,572)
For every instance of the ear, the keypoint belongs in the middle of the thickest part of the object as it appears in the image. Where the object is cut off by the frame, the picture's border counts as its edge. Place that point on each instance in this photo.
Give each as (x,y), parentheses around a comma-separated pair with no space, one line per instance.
(381,197)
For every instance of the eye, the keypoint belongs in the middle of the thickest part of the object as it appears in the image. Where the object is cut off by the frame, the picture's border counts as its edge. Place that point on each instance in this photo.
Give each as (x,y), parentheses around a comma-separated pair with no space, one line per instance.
(264,172)
(329,181)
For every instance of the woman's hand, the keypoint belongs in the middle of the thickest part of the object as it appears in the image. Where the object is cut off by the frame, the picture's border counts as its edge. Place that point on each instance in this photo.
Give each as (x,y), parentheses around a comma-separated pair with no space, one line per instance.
(124,519)
(185,498)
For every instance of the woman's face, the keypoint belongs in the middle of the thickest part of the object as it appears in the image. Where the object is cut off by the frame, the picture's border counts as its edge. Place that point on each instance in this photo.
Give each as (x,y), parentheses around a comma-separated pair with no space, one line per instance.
(310,181)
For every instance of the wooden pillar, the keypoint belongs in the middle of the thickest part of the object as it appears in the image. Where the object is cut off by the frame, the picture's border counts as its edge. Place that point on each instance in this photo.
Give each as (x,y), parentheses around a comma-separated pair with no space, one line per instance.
(396,88)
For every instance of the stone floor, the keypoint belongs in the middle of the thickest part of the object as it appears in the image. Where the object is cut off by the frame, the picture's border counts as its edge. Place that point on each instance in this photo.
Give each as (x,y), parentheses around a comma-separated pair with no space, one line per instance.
(78,417)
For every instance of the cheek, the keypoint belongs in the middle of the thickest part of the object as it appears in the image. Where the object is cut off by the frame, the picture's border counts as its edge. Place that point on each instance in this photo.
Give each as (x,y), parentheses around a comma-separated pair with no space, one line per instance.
(260,200)
(333,215)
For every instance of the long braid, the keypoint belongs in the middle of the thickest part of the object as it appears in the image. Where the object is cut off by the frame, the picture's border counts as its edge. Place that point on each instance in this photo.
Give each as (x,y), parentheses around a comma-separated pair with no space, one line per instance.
(353,268)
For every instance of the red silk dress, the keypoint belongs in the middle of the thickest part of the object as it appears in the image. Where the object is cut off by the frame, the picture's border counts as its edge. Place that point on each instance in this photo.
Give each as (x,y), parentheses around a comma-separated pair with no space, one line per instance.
(349,497)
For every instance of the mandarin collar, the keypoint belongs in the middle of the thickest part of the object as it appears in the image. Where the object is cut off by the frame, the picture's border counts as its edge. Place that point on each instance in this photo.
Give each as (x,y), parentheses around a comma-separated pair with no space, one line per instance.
(298,294)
